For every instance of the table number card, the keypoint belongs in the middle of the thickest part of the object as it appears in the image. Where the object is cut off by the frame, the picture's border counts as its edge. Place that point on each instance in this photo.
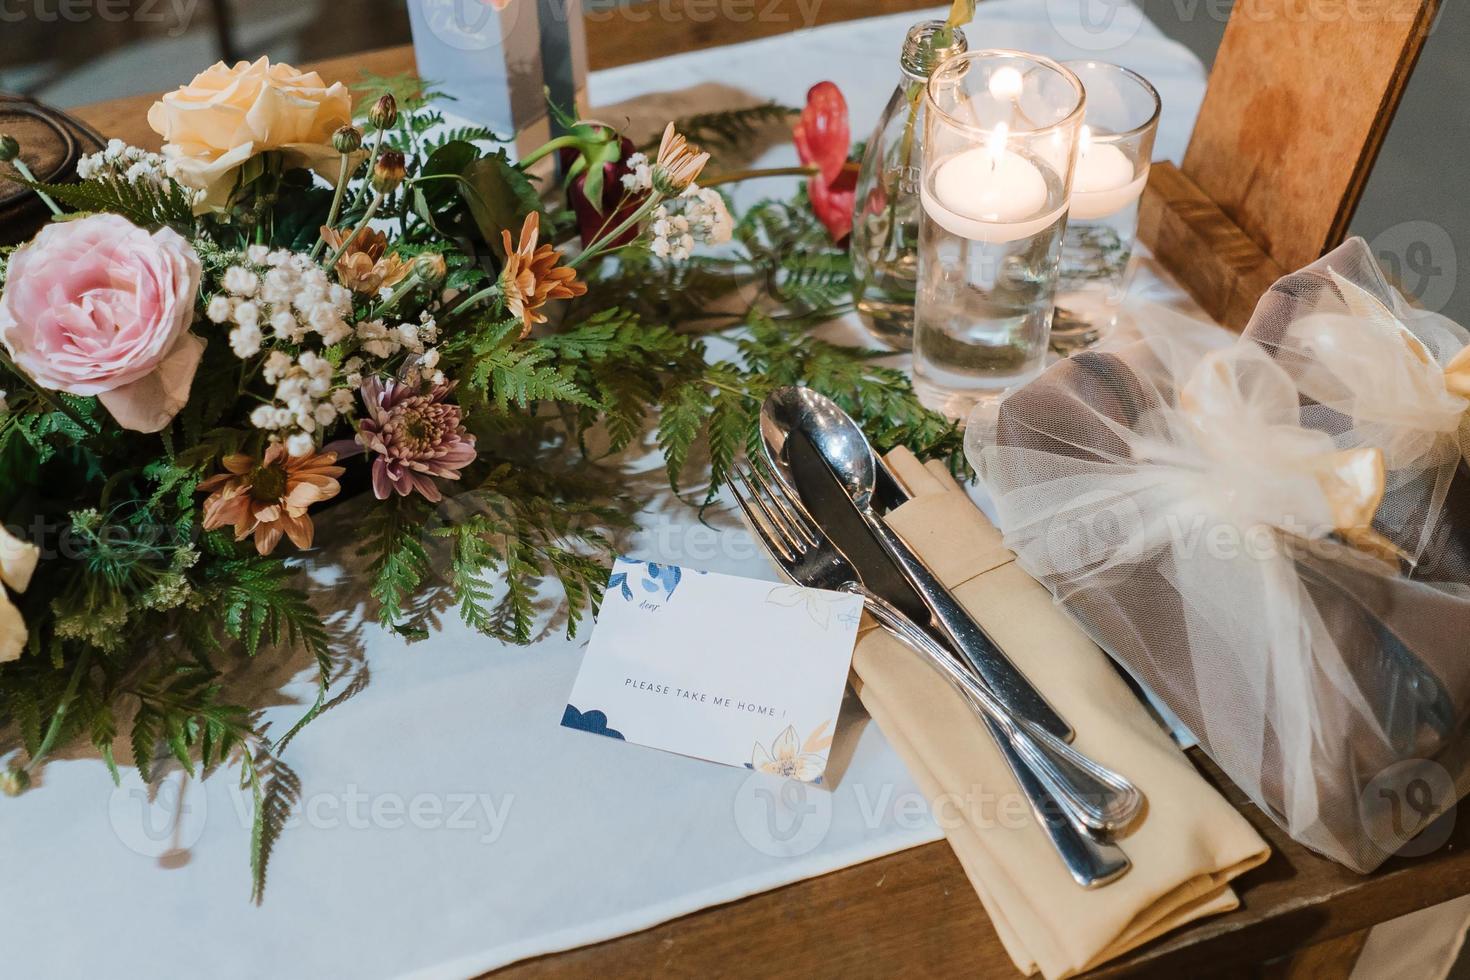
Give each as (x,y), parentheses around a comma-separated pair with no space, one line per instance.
(734,670)
(486,55)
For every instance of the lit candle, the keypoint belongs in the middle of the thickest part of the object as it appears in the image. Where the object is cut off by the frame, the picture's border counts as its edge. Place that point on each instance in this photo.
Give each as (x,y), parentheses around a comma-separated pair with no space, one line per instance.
(1104,182)
(989,194)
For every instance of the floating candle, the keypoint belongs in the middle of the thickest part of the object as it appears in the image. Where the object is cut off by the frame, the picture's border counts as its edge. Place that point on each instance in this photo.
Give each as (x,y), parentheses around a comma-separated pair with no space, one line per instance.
(989,194)
(1104,182)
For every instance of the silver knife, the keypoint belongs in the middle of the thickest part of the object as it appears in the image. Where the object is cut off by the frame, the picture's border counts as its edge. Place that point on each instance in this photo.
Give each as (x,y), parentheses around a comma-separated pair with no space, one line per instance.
(894,572)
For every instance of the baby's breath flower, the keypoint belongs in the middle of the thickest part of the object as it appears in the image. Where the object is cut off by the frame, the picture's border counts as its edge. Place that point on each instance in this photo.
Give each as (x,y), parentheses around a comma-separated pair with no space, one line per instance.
(118,161)
(697,215)
(640,174)
(245,341)
(240,281)
(300,444)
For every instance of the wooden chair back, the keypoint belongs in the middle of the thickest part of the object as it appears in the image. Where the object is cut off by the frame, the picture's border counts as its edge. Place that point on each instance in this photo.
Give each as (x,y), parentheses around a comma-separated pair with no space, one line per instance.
(1297,107)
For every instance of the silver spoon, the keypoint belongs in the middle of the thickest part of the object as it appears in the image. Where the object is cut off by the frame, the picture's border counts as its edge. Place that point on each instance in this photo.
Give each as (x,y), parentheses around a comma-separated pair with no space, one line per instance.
(1105,799)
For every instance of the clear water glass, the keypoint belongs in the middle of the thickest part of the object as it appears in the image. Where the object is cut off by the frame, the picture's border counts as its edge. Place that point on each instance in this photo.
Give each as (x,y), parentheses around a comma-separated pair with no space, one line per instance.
(1113,157)
(885,221)
(1001,135)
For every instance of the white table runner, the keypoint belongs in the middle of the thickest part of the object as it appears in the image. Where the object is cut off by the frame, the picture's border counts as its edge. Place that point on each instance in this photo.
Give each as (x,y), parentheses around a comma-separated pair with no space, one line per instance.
(448,824)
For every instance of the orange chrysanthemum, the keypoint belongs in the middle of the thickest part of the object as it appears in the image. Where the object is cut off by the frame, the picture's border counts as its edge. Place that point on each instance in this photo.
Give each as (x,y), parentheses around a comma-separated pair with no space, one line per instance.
(366,266)
(531,275)
(269,497)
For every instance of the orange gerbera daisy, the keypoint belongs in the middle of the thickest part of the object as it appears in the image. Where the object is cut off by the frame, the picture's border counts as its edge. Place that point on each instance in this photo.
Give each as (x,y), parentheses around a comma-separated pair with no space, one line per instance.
(366,266)
(269,497)
(531,275)
(678,163)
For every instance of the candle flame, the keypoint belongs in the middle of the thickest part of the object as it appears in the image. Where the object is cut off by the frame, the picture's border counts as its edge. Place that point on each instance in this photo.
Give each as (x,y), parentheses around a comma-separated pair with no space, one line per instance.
(1006,83)
(996,143)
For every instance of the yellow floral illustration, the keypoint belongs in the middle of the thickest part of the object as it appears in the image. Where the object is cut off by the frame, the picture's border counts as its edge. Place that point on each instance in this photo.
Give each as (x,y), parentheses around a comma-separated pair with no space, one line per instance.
(793,759)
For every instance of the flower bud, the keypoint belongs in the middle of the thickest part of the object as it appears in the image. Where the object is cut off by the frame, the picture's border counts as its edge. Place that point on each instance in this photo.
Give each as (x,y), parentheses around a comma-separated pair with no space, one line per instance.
(348,139)
(14,782)
(430,268)
(9,148)
(388,171)
(384,112)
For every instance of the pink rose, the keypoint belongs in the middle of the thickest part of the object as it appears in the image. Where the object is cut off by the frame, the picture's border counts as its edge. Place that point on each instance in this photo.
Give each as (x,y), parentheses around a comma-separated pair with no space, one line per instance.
(98,306)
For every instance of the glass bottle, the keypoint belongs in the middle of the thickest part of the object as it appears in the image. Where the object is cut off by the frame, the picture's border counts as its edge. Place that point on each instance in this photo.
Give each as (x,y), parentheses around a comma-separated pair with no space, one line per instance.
(885,224)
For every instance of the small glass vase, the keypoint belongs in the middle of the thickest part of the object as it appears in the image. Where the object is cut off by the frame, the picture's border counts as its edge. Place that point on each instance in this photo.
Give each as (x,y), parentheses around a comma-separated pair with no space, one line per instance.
(885,224)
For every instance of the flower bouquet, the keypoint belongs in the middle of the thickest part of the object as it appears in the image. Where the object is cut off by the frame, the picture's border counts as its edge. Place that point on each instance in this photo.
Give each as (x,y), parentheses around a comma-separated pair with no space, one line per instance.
(311,293)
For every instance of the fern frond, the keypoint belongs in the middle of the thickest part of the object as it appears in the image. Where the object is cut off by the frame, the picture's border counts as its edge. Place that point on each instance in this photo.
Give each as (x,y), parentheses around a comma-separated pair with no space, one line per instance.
(275,790)
(393,538)
(731,127)
(141,203)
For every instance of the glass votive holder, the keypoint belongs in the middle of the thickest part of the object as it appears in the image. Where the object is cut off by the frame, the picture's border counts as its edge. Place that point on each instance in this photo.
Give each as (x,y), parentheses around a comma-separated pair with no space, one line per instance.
(1001,131)
(1112,168)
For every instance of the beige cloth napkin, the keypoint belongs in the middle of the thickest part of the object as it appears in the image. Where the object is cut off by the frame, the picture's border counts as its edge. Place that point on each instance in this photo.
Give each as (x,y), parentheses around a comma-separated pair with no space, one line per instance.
(1185,849)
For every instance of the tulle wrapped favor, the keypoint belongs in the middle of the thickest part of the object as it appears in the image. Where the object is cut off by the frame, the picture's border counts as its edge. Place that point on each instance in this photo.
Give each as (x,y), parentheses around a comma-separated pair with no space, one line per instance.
(1273,536)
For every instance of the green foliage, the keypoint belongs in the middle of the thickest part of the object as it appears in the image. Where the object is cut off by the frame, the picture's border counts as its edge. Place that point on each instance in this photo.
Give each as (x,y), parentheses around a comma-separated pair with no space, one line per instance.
(410,91)
(519,527)
(795,259)
(393,535)
(179,705)
(141,203)
(467,194)
(732,127)
(513,373)
(879,398)
(275,790)
(253,599)
(625,365)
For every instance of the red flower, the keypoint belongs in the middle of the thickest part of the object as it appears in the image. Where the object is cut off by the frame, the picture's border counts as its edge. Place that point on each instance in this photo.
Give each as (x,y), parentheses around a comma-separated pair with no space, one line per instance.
(823,139)
(614,204)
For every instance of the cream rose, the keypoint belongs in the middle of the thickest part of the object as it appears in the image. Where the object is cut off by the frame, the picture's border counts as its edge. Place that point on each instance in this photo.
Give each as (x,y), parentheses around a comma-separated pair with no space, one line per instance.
(225,116)
(13,632)
(17,562)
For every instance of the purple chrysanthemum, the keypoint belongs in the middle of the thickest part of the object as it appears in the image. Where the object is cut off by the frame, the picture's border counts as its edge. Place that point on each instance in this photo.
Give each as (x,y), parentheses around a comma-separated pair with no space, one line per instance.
(414,436)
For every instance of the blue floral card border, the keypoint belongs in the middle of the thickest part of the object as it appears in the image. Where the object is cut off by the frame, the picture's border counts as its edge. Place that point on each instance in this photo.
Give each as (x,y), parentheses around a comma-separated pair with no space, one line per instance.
(738,671)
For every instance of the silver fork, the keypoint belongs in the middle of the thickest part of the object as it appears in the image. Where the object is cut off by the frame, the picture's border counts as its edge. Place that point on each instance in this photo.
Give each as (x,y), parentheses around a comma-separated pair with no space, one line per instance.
(1058,781)
(1080,780)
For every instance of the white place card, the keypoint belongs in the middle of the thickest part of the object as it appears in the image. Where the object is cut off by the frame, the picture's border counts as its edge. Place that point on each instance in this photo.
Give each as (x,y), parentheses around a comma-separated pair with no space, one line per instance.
(729,669)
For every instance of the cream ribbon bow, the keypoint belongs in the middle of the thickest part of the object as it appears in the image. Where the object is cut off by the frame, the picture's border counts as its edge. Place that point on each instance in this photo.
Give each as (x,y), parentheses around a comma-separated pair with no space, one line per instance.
(1365,305)
(1242,407)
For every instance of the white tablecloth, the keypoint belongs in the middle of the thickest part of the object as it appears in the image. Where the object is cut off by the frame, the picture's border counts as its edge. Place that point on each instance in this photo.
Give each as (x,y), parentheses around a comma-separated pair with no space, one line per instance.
(448,824)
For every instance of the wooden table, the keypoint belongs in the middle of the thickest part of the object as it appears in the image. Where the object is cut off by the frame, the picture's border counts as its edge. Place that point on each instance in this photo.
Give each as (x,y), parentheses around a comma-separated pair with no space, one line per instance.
(915,913)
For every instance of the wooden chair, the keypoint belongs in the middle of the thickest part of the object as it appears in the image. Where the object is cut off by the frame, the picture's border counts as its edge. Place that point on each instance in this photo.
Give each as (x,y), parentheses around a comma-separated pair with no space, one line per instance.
(1294,116)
